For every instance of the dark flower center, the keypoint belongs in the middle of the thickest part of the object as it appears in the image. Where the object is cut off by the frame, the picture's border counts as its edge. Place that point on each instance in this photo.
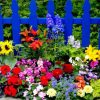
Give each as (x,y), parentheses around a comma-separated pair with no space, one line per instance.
(6,47)
(0,49)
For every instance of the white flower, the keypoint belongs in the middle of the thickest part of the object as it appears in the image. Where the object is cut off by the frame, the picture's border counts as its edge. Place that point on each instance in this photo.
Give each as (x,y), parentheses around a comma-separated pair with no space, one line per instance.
(70,60)
(71,39)
(25,93)
(77,58)
(77,44)
(86,57)
(39,87)
(51,92)
(42,94)
(35,92)
(34,98)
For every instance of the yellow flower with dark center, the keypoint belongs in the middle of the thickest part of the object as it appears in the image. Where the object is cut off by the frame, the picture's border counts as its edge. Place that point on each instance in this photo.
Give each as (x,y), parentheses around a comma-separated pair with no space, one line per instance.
(7,47)
(1,48)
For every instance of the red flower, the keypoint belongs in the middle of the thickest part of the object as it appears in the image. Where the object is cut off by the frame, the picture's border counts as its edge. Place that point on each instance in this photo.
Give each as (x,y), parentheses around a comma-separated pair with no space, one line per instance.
(43,70)
(27,39)
(5,69)
(44,80)
(57,72)
(68,68)
(16,70)
(10,90)
(14,80)
(36,44)
(33,32)
(58,62)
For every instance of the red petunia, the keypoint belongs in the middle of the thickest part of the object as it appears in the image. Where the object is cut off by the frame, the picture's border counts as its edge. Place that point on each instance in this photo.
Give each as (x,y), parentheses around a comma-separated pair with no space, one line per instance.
(14,80)
(5,69)
(35,44)
(16,70)
(44,80)
(57,72)
(68,68)
(10,91)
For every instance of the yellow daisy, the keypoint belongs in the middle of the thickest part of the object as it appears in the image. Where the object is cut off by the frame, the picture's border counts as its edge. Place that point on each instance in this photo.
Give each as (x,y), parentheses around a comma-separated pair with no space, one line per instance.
(7,47)
(1,48)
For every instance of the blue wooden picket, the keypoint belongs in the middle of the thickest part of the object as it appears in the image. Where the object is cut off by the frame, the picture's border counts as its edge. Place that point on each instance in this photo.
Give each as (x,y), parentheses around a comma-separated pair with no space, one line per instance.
(68,20)
(86,24)
(15,22)
(1,27)
(34,20)
(50,7)
(33,15)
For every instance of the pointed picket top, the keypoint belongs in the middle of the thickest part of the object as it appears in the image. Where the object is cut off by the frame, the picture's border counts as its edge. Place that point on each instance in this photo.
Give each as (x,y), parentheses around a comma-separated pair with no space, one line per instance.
(33,7)
(86,6)
(14,6)
(33,15)
(51,7)
(68,6)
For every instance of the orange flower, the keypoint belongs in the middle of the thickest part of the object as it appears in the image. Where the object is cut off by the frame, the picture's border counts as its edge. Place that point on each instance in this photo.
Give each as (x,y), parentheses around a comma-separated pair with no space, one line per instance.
(78,78)
(33,32)
(25,33)
(36,44)
(27,39)
(81,82)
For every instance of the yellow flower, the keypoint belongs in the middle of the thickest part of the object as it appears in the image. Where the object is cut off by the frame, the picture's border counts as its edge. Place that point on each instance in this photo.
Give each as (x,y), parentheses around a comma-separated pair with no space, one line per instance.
(1,48)
(7,47)
(81,93)
(88,89)
(51,92)
(92,53)
(98,52)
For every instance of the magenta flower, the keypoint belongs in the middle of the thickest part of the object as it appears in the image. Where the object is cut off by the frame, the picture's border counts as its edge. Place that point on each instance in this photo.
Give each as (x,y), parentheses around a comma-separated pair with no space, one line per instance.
(93,64)
(49,75)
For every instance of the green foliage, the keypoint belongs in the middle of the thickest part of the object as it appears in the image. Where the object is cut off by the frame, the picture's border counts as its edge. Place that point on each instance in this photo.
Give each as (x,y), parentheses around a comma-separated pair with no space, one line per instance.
(96,87)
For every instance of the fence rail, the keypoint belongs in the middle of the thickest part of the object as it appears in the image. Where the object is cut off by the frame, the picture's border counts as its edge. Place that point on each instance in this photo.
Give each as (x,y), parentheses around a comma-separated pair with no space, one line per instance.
(34,20)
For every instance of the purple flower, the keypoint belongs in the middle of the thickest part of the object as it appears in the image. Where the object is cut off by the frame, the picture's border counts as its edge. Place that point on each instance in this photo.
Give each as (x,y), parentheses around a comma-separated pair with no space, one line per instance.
(59,23)
(29,71)
(54,82)
(50,22)
(93,64)
(23,61)
(22,75)
(29,62)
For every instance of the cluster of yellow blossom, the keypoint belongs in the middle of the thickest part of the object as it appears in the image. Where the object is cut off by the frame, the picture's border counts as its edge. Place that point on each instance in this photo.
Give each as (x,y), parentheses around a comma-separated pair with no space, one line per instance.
(92,53)
(87,89)
(6,47)
(51,92)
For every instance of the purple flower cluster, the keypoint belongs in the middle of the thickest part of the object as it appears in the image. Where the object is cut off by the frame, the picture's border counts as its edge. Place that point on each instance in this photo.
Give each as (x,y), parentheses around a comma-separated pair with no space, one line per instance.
(89,71)
(55,26)
(32,68)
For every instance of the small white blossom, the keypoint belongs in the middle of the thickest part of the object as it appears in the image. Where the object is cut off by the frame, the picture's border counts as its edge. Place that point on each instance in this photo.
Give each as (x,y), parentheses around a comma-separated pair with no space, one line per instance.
(35,92)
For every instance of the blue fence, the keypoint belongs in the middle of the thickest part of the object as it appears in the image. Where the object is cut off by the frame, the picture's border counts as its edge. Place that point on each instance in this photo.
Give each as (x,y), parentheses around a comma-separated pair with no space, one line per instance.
(34,20)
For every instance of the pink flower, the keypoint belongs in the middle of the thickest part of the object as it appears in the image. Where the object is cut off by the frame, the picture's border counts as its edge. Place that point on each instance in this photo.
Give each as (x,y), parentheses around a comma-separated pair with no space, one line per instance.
(93,64)
(42,94)
(49,75)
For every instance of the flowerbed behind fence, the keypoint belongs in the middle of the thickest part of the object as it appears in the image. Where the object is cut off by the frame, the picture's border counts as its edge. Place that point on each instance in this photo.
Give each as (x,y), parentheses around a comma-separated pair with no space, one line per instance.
(44,68)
